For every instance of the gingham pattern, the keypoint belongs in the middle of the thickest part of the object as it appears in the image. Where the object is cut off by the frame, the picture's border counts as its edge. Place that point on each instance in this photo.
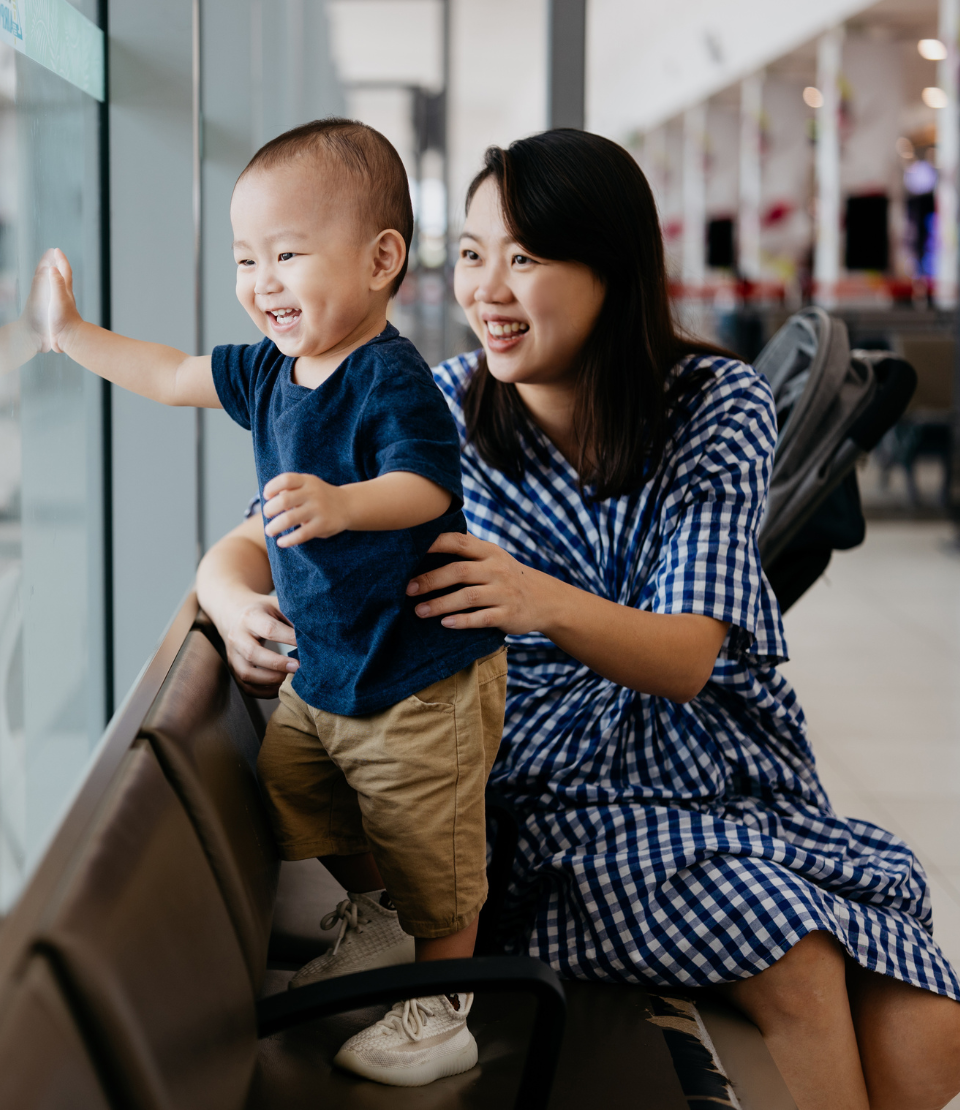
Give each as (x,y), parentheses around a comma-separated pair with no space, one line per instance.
(683,844)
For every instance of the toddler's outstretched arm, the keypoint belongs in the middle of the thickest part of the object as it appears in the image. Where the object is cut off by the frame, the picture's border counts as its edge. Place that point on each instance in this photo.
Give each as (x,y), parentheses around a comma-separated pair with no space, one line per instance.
(161,373)
(318,510)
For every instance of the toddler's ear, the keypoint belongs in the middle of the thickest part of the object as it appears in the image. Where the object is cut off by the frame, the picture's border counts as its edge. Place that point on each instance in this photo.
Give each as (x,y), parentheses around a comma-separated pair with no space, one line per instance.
(389,255)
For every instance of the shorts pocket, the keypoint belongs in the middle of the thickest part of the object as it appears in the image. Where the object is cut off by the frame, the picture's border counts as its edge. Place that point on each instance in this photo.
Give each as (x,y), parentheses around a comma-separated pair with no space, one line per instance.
(438,695)
(491,667)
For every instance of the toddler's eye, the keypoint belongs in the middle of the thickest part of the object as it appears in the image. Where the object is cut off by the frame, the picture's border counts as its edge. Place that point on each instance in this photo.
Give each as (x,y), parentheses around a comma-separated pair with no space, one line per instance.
(286,256)
(245,262)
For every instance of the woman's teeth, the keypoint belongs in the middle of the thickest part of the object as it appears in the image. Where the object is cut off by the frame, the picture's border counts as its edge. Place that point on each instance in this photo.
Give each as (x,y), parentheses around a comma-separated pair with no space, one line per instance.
(511,328)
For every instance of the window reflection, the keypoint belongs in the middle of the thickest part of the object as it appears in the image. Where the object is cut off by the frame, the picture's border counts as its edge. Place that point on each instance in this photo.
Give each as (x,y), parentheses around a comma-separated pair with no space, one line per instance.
(51,558)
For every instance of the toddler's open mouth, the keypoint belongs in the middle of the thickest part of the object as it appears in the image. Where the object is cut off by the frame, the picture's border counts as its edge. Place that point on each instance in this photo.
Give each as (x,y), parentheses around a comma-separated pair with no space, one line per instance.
(283,319)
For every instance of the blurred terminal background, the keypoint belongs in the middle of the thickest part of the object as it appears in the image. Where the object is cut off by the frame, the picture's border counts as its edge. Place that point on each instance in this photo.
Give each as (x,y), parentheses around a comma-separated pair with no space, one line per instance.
(799,153)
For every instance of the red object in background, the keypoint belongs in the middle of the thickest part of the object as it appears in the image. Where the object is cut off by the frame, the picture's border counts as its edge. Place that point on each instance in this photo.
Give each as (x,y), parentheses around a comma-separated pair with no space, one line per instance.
(777,213)
(672,229)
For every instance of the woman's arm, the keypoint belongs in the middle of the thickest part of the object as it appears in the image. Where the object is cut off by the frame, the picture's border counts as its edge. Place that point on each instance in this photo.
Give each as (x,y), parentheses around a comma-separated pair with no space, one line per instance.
(233,587)
(670,655)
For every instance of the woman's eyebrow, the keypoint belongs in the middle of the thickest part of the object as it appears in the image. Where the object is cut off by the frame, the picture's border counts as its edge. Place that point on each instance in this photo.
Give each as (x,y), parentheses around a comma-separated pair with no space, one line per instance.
(467,234)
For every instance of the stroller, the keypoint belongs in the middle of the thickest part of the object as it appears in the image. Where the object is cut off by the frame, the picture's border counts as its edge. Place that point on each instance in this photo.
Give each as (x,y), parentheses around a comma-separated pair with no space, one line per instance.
(833,406)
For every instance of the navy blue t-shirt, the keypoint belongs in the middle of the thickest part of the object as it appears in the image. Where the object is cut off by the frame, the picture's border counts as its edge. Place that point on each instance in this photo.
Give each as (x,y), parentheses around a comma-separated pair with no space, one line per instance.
(361,645)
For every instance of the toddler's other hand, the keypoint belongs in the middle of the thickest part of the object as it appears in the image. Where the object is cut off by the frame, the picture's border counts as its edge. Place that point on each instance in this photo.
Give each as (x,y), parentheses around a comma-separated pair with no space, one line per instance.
(314,508)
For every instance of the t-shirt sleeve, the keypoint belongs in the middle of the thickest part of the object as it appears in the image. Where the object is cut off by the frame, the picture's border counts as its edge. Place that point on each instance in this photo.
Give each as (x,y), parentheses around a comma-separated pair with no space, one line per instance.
(710,559)
(406,425)
(234,370)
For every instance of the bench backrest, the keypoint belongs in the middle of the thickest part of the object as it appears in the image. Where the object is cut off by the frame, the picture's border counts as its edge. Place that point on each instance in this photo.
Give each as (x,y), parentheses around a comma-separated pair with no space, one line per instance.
(44,1064)
(142,942)
(201,732)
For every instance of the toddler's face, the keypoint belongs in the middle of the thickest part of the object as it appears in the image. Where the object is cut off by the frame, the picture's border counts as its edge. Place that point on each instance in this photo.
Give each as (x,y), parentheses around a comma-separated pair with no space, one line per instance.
(303,258)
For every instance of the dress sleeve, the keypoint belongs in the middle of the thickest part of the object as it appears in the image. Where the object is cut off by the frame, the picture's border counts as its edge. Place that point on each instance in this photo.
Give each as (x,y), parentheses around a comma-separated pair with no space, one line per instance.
(452,377)
(710,560)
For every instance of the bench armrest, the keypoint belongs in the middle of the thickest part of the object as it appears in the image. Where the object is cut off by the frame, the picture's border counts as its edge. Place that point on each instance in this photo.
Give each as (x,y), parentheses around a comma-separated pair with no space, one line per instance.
(491,975)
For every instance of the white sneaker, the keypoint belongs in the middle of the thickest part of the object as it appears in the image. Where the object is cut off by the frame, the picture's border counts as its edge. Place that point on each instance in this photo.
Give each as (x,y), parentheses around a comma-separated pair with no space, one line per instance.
(370,936)
(419,1041)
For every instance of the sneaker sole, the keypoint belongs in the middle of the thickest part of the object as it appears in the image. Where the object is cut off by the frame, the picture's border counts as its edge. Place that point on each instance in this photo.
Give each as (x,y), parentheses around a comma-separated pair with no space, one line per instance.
(404,953)
(419,1075)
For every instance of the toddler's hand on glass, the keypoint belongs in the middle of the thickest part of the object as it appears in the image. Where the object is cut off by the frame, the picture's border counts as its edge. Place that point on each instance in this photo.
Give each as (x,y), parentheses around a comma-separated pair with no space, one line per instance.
(313,508)
(51,306)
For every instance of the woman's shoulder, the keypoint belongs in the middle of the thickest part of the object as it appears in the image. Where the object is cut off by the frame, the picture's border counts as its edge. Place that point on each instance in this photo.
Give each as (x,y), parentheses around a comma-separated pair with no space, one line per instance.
(713,390)
(452,376)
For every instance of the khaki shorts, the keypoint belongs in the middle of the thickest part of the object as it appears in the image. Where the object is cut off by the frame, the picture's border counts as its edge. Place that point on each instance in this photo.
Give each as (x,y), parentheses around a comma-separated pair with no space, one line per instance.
(406,784)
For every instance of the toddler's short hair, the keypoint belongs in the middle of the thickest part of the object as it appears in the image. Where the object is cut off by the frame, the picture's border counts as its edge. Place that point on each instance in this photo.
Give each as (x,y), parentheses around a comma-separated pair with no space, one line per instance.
(364,154)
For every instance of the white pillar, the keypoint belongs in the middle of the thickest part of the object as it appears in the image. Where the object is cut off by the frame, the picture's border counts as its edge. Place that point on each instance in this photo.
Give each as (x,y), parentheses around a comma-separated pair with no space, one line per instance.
(826,267)
(948,141)
(694,198)
(748,216)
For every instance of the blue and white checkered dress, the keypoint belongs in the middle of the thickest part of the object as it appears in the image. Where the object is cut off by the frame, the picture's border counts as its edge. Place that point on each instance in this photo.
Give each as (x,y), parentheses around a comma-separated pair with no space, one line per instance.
(678,844)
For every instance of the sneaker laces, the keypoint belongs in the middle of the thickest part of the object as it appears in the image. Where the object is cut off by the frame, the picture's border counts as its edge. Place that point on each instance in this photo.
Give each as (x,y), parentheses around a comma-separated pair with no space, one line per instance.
(407,1017)
(347,914)
(410,1017)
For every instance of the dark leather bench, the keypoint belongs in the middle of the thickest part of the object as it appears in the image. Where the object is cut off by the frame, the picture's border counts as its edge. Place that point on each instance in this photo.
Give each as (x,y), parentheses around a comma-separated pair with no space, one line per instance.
(153,969)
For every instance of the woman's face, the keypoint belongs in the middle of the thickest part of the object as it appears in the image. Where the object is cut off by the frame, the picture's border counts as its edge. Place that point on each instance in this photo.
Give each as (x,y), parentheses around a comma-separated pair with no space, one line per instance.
(532,315)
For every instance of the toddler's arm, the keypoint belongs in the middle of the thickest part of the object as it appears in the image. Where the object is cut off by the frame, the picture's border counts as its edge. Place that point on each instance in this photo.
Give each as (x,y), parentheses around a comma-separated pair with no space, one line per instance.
(161,373)
(317,509)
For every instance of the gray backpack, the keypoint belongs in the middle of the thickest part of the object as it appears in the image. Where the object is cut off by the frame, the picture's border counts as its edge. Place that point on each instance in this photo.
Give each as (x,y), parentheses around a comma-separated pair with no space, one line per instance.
(833,405)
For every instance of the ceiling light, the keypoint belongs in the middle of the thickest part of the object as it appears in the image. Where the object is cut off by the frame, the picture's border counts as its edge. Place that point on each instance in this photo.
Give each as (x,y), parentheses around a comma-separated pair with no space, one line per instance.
(812,97)
(934,97)
(932,49)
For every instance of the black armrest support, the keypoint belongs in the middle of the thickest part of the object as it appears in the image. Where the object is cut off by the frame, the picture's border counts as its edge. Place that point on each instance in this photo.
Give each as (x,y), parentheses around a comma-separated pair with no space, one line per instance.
(491,975)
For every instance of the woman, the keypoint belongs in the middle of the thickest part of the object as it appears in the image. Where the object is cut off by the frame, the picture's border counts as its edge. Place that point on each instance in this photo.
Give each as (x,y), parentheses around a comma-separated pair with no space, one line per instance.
(615,475)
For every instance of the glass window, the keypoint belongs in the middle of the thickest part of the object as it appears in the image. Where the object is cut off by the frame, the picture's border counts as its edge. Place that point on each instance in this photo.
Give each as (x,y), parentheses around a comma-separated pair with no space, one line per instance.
(52,653)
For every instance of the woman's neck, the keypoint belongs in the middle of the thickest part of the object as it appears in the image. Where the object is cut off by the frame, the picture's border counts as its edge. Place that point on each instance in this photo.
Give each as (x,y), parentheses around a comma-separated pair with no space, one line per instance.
(552,408)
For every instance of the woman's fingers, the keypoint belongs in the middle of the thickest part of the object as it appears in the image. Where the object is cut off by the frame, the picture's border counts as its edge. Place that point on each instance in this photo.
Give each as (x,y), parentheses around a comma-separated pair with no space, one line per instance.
(277,629)
(444,577)
(459,543)
(482,618)
(472,597)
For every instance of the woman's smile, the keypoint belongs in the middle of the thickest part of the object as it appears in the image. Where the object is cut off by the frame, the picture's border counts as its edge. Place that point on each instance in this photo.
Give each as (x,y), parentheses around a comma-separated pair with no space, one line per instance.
(504,333)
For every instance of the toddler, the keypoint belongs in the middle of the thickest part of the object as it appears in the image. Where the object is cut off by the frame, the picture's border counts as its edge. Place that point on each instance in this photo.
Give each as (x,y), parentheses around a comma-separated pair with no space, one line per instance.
(377,757)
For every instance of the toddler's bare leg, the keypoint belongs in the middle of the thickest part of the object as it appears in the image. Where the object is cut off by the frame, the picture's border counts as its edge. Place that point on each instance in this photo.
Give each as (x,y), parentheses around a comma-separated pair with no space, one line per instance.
(357,873)
(360,873)
(457,946)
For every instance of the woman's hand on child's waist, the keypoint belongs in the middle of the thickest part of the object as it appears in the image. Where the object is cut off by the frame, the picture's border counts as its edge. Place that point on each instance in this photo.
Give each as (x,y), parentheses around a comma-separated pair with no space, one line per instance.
(502,592)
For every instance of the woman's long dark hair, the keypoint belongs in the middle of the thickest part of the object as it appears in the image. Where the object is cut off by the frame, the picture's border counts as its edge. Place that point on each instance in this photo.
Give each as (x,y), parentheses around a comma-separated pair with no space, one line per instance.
(573,196)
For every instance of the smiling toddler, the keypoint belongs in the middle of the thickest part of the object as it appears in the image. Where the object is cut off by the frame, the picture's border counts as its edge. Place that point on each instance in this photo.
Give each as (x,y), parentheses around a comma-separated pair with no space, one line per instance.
(377,757)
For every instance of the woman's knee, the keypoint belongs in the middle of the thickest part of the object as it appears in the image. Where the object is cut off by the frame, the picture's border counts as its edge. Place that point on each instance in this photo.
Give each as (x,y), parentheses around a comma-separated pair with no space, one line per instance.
(804,986)
(909,1042)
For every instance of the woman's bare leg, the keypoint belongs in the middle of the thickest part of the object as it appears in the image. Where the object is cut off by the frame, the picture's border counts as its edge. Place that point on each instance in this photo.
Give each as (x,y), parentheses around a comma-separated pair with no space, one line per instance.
(909,1042)
(800,1005)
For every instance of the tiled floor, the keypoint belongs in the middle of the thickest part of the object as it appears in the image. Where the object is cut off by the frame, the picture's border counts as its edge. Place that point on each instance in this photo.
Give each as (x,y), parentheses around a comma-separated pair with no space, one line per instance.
(875,660)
